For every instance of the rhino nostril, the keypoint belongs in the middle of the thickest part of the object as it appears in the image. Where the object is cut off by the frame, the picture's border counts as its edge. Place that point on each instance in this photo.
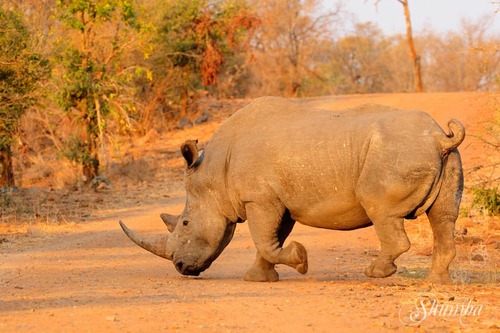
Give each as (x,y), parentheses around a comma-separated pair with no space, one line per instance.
(179,266)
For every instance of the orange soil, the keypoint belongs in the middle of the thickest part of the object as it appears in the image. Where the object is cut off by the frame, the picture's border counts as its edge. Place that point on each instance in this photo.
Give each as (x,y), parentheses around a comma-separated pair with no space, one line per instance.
(84,274)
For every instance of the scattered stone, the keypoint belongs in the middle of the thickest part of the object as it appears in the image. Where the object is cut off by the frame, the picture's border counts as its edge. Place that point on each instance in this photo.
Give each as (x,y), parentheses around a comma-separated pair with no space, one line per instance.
(151,136)
(460,231)
(203,118)
(100,183)
(8,189)
(477,257)
(183,123)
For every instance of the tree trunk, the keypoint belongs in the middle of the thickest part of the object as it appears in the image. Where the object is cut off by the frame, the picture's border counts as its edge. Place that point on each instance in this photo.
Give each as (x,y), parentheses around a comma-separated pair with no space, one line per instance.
(90,158)
(91,161)
(91,168)
(413,54)
(184,103)
(7,170)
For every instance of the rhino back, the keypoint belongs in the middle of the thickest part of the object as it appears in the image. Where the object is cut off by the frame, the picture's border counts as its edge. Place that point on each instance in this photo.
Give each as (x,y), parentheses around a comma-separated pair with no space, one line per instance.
(311,160)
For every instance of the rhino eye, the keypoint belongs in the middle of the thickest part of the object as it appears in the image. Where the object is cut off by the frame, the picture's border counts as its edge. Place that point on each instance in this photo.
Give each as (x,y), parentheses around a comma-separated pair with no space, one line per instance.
(185,223)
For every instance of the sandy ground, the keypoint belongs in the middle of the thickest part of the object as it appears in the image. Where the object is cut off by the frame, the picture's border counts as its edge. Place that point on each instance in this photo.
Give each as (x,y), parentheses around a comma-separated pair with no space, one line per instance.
(78,272)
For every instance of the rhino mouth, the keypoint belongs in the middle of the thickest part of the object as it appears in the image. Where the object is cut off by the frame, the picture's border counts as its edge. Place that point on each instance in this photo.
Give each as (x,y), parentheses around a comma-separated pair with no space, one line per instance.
(188,269)
(195,267)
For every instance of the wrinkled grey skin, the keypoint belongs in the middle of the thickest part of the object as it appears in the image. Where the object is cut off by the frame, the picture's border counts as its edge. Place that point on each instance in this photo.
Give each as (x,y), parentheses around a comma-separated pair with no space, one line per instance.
(274,163)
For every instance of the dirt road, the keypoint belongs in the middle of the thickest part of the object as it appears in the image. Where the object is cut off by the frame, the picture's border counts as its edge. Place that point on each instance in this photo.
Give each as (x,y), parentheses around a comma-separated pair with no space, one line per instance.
(93,279)
(87,276)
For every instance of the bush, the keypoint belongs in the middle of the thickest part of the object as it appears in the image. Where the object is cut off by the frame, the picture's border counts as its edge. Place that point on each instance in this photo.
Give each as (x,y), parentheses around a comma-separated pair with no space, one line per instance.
(487,199)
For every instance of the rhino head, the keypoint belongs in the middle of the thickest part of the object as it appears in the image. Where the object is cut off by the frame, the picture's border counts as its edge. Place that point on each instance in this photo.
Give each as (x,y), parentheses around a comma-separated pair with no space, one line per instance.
(200,234)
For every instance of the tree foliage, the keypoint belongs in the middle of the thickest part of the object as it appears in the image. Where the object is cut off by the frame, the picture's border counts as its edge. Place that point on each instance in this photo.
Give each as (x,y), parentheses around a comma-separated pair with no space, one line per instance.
(463,60)
(286,45)
(128,66)
(91,68)
(20,70)
(198,38)
(361,60)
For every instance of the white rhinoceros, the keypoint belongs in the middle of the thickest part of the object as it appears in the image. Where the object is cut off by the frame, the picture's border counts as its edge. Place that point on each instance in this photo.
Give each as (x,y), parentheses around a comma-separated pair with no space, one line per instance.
(275,162)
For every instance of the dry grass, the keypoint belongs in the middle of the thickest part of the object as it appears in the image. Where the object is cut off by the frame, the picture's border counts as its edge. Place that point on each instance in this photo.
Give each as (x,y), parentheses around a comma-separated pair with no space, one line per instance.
(147,168)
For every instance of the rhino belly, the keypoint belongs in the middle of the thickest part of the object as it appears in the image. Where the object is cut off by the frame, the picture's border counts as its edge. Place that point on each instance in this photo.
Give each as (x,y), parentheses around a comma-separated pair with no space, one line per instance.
(334,217)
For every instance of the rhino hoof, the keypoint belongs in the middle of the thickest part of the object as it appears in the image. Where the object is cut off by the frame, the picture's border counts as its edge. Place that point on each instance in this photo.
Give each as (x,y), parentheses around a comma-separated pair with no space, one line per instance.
(301,253)
(440,278)
(261,275)
(378,270)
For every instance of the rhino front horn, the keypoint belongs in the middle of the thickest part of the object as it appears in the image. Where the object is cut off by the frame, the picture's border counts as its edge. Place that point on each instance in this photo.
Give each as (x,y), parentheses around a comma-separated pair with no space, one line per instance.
(157,246)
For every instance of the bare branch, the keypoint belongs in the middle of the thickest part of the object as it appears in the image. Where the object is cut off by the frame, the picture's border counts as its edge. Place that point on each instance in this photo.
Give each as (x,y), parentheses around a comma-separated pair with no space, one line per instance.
(489,143)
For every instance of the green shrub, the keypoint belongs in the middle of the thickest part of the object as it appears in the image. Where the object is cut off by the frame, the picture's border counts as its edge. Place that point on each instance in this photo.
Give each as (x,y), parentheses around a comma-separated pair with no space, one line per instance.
(487,199)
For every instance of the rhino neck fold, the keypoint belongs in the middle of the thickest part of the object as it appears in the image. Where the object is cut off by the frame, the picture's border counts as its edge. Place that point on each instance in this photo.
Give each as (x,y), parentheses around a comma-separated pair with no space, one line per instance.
(214,174)
(226,238)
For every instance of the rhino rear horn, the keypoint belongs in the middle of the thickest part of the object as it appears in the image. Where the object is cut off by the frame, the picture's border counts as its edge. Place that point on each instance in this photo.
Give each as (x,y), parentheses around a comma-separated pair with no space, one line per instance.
(157,246)
(170,221)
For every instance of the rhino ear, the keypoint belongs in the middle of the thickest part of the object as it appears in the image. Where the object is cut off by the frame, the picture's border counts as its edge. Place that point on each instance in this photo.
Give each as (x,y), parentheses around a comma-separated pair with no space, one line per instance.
(191,154)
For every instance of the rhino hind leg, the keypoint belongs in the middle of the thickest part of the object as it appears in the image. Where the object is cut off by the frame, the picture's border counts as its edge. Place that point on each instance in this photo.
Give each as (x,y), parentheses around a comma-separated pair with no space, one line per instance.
(442,216)
(262,270)
(269,228)
(393,241)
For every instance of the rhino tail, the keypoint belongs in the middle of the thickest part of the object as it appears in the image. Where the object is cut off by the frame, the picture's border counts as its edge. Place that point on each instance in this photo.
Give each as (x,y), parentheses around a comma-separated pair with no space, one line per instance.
(455,136)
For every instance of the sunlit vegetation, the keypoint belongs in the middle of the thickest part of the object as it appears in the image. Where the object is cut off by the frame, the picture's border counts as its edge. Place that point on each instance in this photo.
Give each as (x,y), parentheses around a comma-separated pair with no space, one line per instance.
(82,73)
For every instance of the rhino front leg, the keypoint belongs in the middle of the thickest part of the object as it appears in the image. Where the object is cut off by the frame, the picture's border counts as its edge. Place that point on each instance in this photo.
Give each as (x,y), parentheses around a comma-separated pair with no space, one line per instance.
(262,270)
(265,224)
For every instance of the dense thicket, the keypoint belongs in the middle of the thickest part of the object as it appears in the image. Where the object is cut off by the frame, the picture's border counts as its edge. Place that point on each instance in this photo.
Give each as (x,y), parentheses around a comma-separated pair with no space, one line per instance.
(20,69)
(127,66)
